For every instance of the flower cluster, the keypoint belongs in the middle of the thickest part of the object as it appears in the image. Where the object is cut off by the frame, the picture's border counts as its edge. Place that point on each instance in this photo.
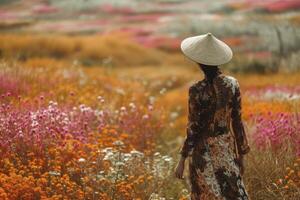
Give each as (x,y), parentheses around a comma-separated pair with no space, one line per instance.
(87,173)
(277,130)
(280,93)
(52,150)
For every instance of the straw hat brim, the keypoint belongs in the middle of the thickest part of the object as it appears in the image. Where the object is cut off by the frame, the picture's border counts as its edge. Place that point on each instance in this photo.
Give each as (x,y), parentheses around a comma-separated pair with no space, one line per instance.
(206,49)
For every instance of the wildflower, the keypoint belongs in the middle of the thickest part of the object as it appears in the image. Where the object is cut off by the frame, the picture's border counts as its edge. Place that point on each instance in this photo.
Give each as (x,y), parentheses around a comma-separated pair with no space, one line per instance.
(286,177)
(151,99)
(163,90)
(118,143)
(150,107)
(119,164)
(157,154)
(101,99)
(145,116)
(127,156)
(108,156)
(99,113)
(136,153)
(54,173)
(132,106)
(173,115)
(167,158)
(107,149)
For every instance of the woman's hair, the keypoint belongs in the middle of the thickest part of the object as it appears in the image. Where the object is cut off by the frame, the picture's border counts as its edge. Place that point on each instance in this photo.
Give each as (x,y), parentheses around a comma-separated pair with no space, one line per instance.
(209,71)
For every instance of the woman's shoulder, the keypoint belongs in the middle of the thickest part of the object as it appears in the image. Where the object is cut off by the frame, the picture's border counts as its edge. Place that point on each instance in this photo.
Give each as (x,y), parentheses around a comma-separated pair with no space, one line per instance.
(198,85)
(229,80)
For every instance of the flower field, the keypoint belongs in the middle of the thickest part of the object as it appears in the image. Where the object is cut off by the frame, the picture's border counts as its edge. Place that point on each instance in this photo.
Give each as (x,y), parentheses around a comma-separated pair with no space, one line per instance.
(113,131)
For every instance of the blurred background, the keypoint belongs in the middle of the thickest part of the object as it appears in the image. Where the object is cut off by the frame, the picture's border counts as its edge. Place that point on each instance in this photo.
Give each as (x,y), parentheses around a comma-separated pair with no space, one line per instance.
(263,34)
(94,95)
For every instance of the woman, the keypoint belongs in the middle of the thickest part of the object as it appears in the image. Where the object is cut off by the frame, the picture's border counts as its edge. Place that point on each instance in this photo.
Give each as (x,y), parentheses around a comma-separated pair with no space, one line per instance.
(216,141)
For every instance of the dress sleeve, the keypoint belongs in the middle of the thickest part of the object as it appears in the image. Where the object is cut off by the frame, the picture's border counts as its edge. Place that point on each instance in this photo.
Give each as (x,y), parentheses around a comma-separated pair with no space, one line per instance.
(190,139)
(237,123)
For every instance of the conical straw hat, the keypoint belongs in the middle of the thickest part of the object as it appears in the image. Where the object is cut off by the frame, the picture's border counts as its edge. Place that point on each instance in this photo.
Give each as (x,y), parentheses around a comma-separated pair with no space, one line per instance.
(206,49)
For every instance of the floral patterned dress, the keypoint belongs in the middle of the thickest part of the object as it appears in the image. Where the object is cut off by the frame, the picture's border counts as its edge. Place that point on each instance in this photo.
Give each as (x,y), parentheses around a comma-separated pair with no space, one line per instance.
(215,137)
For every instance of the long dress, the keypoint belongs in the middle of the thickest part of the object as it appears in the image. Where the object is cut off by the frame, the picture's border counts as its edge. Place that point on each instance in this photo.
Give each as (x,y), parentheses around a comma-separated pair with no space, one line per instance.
(215,136)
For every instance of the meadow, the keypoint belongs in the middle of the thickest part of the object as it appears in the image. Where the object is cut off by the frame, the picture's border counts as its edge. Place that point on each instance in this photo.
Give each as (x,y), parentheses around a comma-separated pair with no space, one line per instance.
(79,123)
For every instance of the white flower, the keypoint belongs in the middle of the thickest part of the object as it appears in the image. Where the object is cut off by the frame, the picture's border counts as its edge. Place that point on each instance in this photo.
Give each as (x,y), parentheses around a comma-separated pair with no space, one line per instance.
(123,108)
(173,115)
(156,154)
(100,98)
(54,173)
(163,90)
(107,149)
(126,156)
(167,158)
(136,153)
(108,156)
(118,143)
(99,113)
(132,105)
(151,99)
(118,164)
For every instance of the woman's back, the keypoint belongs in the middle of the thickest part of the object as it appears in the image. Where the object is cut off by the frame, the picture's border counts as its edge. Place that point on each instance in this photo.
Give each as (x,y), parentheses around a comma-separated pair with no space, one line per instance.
(213,103)
(216,136)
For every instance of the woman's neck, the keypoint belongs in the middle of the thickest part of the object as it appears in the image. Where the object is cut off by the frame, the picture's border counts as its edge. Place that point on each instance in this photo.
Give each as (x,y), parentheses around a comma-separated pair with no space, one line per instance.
(211,74)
